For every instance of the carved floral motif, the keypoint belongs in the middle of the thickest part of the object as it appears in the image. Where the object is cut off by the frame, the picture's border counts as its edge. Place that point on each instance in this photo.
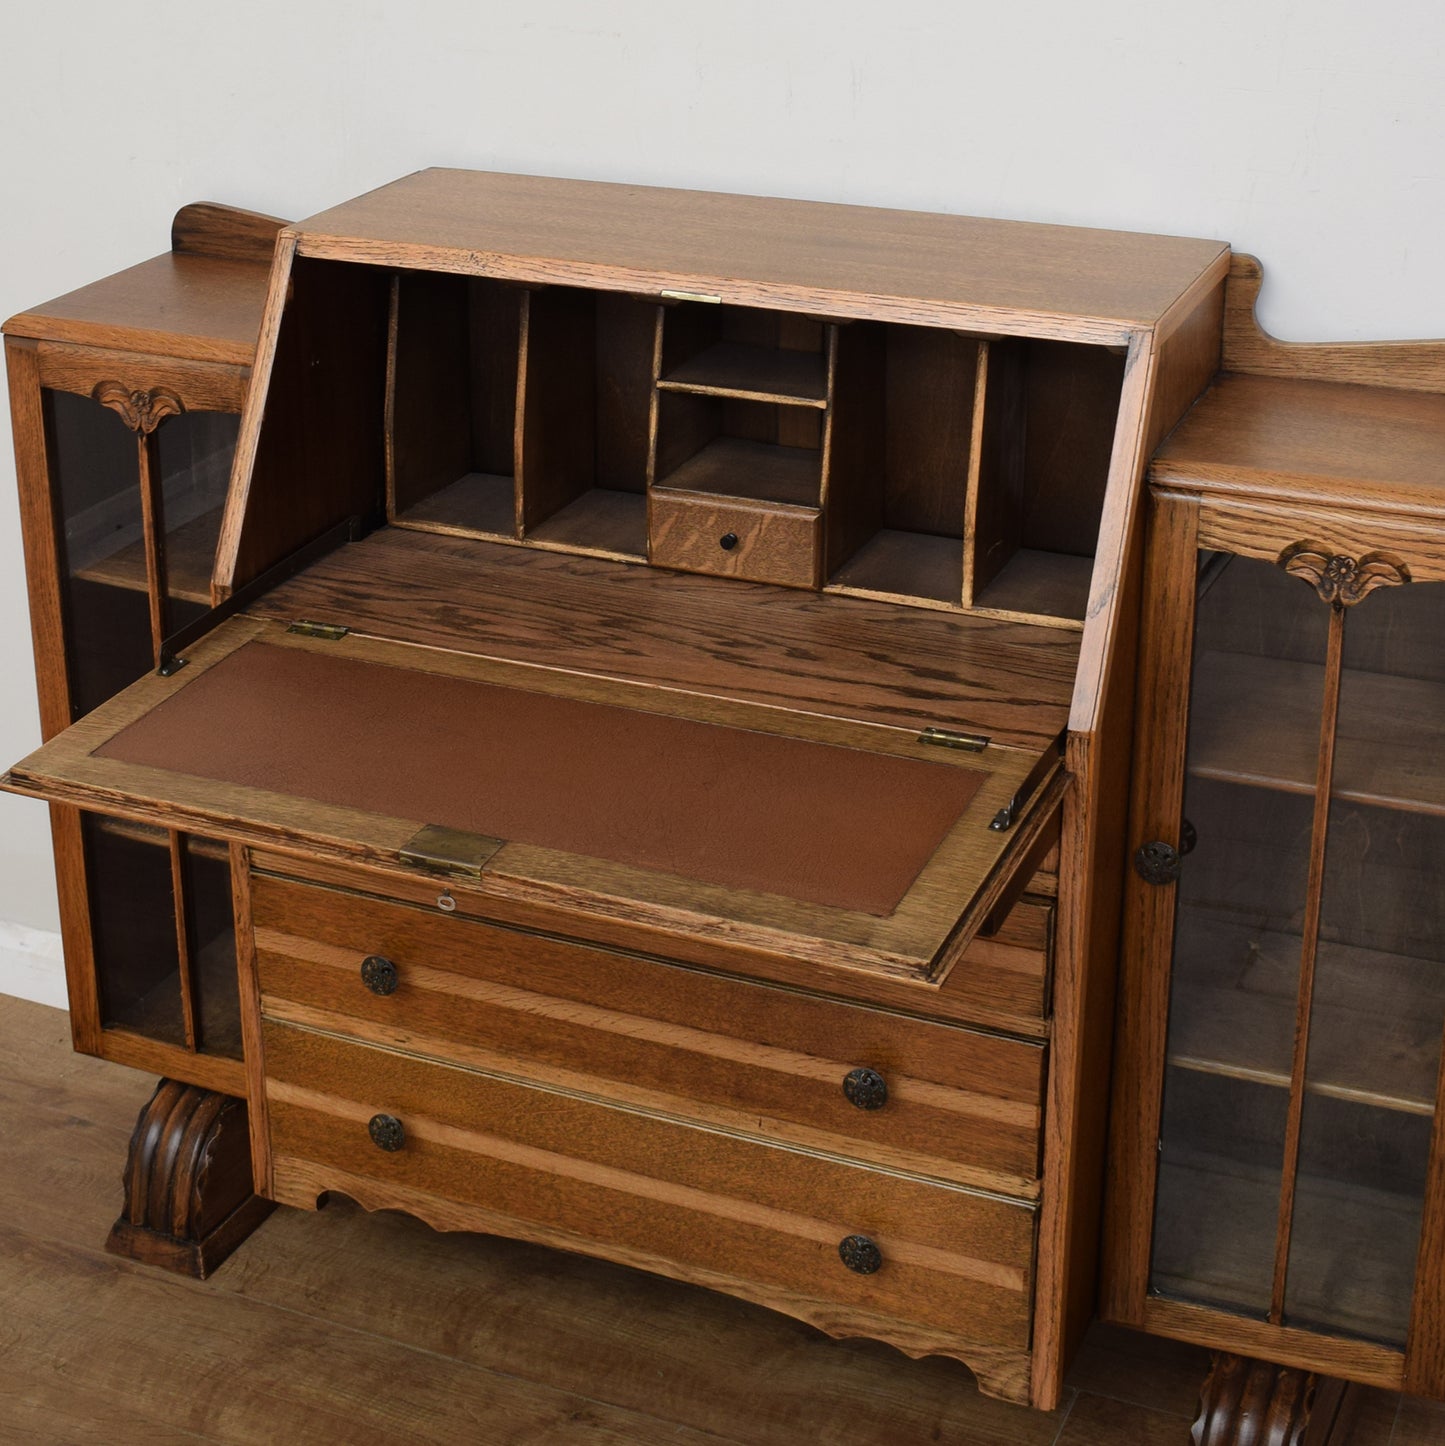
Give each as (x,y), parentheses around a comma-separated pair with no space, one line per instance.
(1342,581)
(141,411)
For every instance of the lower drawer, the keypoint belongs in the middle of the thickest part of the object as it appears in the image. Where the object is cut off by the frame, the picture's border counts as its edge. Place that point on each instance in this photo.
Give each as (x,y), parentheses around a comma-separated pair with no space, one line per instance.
(467,1150)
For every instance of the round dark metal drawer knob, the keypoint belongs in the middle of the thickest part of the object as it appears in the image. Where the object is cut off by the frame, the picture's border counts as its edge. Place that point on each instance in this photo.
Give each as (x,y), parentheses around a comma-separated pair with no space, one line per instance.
(861,1255)
(379,974)
(866,1089)
(1158,862)
(728,541)
(387,1132)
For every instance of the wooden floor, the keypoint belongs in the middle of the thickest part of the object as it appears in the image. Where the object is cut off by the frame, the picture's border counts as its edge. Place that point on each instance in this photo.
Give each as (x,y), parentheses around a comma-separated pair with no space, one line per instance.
(344,1327)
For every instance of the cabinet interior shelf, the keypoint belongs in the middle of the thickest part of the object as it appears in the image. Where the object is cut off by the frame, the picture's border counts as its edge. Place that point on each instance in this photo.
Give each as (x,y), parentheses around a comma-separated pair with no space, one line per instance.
(1374,1028)
(904,566)
(756,471)
(481,504)
(1256,721)
(755,373)
(1033,582)
(1220,1250)
(190,555)
(601,522)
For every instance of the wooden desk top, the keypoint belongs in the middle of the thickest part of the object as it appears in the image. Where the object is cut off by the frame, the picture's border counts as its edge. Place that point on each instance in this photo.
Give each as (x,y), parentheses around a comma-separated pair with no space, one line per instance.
(1373,447)
(173,305)
(853,260)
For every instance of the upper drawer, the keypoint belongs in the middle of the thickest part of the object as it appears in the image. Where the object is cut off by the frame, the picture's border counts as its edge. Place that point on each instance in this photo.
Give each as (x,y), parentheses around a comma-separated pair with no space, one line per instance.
(936,1098)
(760,541)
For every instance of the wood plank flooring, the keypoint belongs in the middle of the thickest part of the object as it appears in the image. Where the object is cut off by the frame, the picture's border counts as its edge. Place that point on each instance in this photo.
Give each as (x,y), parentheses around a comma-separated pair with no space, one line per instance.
(349,1328)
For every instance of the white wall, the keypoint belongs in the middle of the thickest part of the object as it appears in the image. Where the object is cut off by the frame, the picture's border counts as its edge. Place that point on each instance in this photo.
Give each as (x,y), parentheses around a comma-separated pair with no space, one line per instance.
(1310,132)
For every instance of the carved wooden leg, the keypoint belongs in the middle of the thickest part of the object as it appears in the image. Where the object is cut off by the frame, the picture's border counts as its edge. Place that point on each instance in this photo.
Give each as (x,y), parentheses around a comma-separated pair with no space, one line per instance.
(1245,1402)
(188,1187)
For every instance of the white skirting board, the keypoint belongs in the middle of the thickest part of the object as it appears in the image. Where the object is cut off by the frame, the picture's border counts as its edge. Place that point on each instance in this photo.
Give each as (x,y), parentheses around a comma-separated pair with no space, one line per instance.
(31,964)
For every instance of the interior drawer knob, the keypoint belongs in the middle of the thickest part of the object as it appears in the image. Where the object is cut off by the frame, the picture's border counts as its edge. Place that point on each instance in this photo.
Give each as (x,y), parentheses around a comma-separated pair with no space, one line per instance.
(728,541)
(387,1132)
(866,1089)
(861,1255)
(379,974)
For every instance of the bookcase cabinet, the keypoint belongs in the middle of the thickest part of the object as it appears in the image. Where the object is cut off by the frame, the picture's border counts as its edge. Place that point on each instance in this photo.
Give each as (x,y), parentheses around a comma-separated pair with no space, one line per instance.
(1277,1153)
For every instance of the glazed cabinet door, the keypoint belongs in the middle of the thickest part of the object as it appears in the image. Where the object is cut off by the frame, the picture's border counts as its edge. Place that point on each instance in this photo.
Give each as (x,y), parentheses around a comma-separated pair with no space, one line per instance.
(1284,989)
(124,463)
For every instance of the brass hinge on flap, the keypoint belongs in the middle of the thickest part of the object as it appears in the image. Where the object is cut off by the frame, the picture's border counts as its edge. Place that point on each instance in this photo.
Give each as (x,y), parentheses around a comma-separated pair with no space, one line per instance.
(332,632)
(443,850)
(950,738)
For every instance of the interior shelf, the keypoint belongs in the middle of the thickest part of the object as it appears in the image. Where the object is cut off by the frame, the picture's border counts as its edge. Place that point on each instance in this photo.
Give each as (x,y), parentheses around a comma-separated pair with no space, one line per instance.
(757,471)
(1221,1248)
(737,369)
(1374,1029)
(1256,720)
(480,504)
(601,522)
(1041,584)
(904,566)
(190,556)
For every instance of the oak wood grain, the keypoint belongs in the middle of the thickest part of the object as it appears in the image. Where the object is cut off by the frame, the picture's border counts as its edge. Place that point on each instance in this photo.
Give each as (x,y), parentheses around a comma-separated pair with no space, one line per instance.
(960,1105)
(689,1198)
(843,657)
(1000,981)
(1143,996)
(978,275)
(175,305)
(1380,448)
(760,541)
(1402,365)
(225,233)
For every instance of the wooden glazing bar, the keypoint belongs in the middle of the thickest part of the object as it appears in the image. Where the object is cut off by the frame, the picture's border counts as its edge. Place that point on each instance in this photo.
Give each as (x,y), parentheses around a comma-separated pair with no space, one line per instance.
(179,888)
(1309,948)
(153,524)
(986,356)
(826,460)
(389,406)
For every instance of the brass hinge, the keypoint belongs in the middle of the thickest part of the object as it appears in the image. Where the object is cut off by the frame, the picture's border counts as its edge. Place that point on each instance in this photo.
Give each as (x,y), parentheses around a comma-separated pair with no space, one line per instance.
(950,738)
(449,850)
(332,632)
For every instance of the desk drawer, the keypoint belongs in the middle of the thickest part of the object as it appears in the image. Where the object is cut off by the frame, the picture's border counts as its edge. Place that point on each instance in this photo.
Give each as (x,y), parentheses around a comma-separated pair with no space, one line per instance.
(940,1099)
(761,541)
(467,1150)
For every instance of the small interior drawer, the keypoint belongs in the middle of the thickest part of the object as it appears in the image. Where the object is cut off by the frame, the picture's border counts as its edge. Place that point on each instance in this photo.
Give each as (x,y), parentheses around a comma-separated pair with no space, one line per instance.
(761,541)
(940,1099)
(468,1150)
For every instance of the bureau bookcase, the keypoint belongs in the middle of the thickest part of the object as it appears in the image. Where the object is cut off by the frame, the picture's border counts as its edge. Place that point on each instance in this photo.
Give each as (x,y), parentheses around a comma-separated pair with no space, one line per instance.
(657,683)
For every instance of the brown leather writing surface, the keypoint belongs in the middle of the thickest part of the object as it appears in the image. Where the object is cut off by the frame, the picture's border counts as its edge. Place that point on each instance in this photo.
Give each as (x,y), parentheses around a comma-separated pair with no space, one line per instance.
(747,810)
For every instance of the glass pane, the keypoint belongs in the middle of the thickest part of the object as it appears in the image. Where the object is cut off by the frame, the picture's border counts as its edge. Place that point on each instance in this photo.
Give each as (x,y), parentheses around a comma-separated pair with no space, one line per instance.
(1392,699)
(1379,1008)
(1239,930)
(212,936)
(1358,1198)
(1257,696)
(1218,1198)
(133,928)
(195,451)
(95,474)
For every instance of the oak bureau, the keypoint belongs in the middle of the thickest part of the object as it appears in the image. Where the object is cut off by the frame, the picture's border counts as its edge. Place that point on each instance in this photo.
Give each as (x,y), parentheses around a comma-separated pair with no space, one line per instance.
(605,715)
